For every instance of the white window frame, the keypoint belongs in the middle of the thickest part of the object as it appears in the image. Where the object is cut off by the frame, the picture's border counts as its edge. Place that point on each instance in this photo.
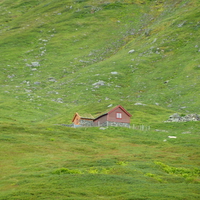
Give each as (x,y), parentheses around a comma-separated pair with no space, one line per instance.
(119,115)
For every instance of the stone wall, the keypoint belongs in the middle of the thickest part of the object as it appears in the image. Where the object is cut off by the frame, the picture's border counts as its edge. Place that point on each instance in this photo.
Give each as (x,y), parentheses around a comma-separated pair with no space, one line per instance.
(88,123)
(117,124)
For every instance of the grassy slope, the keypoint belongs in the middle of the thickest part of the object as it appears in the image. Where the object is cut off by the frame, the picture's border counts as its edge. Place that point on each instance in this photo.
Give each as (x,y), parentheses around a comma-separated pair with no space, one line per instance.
(79,43)
(53,162)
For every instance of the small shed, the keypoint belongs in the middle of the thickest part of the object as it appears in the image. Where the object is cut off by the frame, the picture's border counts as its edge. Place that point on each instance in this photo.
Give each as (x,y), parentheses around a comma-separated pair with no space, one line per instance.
(117,116)
(83,119)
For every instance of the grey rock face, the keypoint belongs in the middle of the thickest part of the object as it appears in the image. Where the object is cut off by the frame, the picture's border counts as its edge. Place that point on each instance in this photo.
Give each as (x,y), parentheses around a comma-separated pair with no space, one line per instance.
(177,118)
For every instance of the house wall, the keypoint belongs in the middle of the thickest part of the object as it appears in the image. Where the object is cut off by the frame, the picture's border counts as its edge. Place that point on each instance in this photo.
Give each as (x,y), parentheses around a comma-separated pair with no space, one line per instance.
(84,122)
(112,116)
(76,120)
(116,124)
(100,121)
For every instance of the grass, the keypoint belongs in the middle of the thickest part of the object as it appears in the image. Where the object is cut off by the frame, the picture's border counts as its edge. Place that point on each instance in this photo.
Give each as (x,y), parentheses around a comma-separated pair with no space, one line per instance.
(78,43)
(56,162)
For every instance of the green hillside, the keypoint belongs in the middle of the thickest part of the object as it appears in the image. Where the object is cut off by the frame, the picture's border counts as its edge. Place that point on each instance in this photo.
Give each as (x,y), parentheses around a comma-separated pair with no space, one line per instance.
(59,57)
(55,162)
(52,52)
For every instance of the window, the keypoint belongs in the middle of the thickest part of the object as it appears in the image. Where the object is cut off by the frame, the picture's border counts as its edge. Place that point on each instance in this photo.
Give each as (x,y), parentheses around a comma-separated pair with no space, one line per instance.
(118,115)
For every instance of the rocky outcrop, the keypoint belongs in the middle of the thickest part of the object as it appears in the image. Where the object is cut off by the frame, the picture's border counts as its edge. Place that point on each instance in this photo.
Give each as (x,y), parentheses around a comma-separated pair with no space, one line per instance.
(177,118)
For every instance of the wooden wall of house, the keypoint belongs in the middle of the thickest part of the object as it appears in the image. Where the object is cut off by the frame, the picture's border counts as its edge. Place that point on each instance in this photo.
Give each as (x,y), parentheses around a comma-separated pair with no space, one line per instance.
(77,120)
(112,116)
(100,120)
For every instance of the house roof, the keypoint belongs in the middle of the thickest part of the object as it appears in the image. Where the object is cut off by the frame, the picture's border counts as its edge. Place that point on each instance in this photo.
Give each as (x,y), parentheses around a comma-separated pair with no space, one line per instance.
(119,106)
(100,116)
(83,116)
(113,109)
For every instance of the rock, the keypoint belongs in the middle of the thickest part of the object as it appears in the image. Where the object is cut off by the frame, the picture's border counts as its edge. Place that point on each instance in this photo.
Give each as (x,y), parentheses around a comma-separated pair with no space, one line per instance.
(191,117)
(171,136)
(114,72)
(28,65)
(181,24)
(98,84)
(186,132)
(154,40)
(58,100)
(37,83)
(139,104)
(177,118)
(183,107)
(52,79)
(131,51)
(11,76)
(35,64)
(167,81)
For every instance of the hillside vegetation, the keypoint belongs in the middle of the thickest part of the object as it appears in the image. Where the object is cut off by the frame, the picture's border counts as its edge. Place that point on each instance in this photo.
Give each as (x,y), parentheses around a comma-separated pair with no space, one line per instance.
(52,52)
(59,57)
(55,162)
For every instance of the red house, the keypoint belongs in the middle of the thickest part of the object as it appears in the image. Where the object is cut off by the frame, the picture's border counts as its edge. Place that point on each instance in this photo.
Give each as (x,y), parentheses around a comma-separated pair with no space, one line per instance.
(118,116)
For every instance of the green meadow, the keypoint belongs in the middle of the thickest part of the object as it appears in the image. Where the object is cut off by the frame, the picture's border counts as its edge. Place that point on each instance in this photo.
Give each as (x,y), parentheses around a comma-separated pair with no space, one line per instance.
(53,53)
(55,162)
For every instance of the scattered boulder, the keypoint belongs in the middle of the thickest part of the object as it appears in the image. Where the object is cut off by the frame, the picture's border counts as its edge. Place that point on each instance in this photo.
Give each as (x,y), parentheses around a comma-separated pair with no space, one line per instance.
(177,118)
(98,84)
(11,76)
(37,83)
(181,24)
(58,100)
(139,104)
(35,64)
(167,81)
(114,72)
(191,117)
(174,118)
(52,79)
(131,51)
(171,136)
(186,132)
